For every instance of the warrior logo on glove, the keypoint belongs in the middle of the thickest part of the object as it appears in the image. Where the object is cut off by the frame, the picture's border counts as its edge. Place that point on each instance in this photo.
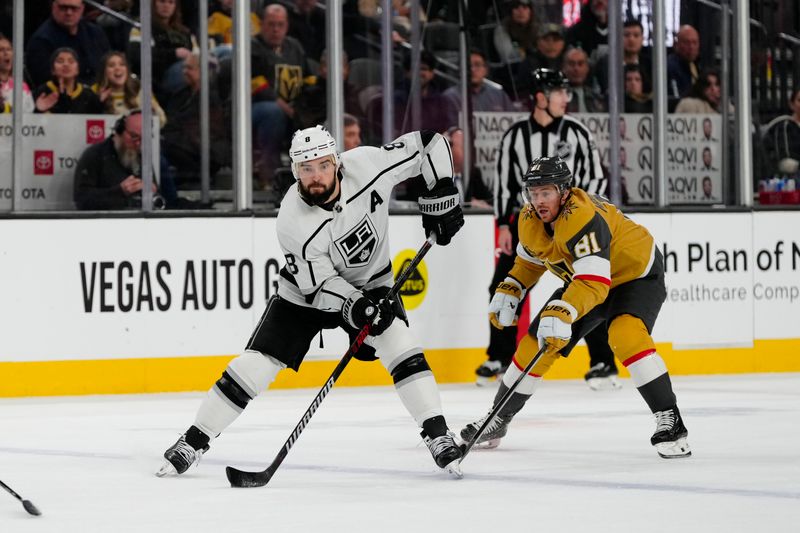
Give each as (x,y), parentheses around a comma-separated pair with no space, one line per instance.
(441,211)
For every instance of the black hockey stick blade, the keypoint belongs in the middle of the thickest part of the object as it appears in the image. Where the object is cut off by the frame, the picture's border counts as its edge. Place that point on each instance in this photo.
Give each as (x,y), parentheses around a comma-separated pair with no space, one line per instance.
(242,479)
(466,447)
(27,504)
(32,509)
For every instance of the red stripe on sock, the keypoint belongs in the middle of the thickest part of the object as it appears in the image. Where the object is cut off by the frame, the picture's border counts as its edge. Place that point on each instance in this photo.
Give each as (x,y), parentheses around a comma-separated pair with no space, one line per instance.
(522,368)
(592,277)
(641,355)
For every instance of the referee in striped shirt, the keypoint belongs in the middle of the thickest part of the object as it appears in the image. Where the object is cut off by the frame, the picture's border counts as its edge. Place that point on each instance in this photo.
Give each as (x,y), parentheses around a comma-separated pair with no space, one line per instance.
(547,132)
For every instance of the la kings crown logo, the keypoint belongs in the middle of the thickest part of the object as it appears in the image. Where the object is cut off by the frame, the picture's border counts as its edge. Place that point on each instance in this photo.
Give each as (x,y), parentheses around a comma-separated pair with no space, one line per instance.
(357,245)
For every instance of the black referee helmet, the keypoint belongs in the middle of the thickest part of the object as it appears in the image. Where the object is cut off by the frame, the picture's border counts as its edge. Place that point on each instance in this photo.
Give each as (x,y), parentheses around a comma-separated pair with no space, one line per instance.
(547,79)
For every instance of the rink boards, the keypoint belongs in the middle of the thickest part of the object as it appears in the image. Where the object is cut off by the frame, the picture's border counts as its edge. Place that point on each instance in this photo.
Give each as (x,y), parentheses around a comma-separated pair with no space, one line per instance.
(134,305)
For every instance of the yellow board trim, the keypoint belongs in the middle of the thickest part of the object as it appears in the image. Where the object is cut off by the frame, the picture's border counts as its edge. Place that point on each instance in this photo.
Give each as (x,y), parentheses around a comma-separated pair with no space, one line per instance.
(178,374)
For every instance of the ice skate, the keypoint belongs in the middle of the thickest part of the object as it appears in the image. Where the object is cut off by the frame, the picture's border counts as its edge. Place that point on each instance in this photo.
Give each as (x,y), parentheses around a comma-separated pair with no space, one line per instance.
(445,452)
(490,438)
(179,458)
(488,371)
(670,436)
(602,376)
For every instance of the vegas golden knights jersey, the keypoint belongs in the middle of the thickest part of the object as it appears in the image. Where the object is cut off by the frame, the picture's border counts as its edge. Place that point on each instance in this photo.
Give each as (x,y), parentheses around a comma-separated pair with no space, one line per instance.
(591,245)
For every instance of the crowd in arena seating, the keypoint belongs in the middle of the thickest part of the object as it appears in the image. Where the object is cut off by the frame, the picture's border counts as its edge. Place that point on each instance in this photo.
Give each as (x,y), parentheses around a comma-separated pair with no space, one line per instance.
(79,59)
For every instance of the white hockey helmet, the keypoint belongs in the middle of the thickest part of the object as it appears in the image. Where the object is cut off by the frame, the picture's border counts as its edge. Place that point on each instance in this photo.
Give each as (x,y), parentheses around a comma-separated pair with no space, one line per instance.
(312,143)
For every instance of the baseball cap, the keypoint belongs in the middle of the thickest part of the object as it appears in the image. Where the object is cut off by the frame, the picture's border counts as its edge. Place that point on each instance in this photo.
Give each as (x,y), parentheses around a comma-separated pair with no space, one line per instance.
(551,29)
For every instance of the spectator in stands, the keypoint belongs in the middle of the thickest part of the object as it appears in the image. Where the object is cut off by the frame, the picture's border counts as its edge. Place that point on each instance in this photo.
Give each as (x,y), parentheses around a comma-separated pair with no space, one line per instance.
(704,96)
(352,132)
(66,29)
(172,44)
(401,19)
(682,68)
(279,72)
(633,54)
(576,69)
(118,91)
(307,25)
(63,93)
(591,31)
(483,96)
(548,54)
(181,135)
(311,106)
(475,194)
(7,80)
(433,102)
(116,30)
(107,175)
(782,139)
(636,100)
(220,28)
(516,34)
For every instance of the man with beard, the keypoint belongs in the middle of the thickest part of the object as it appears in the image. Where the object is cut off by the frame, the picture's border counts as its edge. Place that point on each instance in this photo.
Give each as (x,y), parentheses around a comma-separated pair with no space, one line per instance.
(107,175)
(333,230)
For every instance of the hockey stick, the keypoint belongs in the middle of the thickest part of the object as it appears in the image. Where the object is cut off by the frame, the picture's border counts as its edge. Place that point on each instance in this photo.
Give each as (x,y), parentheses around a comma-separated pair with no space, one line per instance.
(27,504)
(503,401)
(240,478)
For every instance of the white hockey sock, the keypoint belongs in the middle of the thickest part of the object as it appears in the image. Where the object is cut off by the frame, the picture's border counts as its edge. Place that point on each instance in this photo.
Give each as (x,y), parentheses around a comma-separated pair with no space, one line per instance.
(420,396)
(528,384)
(645,367)
(246,377)
(216,413)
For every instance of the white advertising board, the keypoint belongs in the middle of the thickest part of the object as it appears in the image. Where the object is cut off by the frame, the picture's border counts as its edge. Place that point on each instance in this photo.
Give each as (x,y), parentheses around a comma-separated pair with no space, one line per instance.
(137,288)
(709,280)
(131,288)
(776,272)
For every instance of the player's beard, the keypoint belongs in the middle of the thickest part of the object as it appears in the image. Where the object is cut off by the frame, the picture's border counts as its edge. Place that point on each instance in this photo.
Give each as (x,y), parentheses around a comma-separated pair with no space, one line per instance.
(318,197)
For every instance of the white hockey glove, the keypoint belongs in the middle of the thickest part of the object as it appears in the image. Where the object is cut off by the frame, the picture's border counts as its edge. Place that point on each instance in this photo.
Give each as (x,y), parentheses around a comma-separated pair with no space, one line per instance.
(555,324)
(504,304)
(359,310)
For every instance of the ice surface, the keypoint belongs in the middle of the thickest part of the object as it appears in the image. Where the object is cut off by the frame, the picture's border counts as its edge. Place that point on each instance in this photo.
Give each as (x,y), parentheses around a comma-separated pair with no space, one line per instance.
(574,460)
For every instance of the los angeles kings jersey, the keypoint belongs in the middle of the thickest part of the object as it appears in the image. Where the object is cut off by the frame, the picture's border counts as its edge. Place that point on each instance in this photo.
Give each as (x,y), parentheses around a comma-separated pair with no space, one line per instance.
(591,245)
(332,253)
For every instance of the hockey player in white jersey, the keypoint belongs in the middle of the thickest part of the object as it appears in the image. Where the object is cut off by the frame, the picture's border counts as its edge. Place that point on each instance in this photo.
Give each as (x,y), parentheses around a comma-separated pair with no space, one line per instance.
(333,229)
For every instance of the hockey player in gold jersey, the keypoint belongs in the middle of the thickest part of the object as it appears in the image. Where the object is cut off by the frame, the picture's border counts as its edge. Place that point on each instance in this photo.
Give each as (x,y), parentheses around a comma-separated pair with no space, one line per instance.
(613,276)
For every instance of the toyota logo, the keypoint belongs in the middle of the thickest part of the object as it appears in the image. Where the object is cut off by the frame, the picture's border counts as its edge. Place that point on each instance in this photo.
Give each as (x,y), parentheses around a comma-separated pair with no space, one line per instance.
(95,132)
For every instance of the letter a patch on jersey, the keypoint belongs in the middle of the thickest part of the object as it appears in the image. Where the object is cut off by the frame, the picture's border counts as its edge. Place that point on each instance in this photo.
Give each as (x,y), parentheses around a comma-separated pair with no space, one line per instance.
(375,201)
(358,244)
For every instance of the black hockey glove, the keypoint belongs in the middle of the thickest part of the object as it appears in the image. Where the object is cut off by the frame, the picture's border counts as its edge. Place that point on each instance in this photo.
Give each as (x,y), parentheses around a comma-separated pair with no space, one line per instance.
(441,211)
(359,310)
